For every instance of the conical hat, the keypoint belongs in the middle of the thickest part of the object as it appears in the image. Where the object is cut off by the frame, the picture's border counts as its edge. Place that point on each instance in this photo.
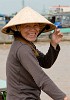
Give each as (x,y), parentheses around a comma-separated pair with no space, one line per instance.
(28,15)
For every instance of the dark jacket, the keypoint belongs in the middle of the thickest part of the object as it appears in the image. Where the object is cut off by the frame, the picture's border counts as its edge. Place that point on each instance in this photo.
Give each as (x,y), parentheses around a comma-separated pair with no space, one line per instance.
(46,61)
(25,77)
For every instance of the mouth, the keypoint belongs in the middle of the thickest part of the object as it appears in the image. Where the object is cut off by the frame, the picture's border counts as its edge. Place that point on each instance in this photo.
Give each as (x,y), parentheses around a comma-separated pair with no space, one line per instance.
(32,34)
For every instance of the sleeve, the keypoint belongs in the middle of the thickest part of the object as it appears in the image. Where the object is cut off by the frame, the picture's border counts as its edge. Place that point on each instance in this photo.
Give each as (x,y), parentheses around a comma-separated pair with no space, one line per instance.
(30,63)
(46,61)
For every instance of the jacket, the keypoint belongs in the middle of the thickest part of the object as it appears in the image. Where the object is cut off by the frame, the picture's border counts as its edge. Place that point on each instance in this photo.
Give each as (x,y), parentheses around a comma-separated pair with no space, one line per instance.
(25,77)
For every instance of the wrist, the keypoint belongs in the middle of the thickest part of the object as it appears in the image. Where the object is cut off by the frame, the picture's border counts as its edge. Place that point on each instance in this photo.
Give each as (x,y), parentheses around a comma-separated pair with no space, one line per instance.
(54,44)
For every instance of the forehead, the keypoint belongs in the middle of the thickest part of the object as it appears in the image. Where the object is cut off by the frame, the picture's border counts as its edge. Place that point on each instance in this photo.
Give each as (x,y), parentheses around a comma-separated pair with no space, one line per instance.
(30,24)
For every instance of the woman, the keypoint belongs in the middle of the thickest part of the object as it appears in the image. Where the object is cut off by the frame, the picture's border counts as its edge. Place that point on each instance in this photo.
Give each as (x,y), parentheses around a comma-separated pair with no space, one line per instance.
(25,77)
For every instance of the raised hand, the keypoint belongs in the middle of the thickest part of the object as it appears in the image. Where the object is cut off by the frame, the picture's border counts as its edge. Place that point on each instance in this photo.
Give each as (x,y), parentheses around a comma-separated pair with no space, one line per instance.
(56,37)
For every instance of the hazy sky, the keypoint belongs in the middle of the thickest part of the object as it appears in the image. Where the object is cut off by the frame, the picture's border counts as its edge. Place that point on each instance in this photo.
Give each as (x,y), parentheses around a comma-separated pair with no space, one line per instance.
(12,6)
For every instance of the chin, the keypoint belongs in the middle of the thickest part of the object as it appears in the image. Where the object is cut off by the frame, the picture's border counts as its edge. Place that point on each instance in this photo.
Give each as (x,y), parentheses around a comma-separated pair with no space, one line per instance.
(32,40)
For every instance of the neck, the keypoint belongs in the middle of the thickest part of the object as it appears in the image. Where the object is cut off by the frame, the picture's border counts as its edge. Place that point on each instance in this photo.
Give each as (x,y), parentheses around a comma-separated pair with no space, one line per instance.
(30,44)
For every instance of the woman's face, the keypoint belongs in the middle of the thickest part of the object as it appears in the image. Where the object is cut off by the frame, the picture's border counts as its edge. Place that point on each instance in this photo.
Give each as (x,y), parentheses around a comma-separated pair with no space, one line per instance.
(30,31)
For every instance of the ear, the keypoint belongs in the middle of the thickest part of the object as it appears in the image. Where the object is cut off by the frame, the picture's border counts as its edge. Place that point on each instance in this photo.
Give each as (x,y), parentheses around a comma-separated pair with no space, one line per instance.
(18,28)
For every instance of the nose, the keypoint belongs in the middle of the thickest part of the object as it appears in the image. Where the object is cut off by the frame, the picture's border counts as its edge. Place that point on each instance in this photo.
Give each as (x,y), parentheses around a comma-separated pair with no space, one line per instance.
(32,29)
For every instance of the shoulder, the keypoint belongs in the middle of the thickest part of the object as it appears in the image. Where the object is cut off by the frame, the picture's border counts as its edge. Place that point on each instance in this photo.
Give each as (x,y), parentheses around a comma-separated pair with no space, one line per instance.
(17,45)
(20,48)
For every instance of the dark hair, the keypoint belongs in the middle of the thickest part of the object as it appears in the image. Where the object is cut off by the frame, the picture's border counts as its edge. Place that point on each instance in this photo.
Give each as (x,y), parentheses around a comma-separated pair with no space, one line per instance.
(17,34)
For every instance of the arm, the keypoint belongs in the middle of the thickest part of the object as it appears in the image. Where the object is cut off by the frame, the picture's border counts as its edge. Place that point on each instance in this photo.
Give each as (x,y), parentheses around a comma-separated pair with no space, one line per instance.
(46,61)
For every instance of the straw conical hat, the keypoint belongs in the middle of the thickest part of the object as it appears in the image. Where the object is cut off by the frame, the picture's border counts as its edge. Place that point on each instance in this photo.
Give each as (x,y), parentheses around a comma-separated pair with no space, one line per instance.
(28,15)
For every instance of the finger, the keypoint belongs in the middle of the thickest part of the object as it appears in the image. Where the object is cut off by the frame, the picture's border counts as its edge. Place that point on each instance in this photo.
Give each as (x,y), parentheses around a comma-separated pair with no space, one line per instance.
(57,30)
(61,34)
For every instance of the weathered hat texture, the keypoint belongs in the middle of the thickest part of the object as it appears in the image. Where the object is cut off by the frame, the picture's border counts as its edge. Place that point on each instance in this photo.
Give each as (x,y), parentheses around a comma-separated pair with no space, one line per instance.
(28,15)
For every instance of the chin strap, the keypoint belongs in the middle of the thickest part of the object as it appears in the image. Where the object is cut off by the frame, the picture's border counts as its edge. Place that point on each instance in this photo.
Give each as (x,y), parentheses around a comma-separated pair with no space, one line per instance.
(47,27)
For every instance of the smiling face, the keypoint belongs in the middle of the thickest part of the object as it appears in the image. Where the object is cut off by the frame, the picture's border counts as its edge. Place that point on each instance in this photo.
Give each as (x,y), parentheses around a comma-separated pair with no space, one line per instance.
(30,31)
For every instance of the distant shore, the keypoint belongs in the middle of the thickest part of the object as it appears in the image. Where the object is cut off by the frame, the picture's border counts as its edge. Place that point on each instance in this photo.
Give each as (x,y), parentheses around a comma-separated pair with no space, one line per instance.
(7,39)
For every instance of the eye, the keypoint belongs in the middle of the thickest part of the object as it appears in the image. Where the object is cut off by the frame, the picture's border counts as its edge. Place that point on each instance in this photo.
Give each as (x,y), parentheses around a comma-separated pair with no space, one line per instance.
(36,26)
(27,26)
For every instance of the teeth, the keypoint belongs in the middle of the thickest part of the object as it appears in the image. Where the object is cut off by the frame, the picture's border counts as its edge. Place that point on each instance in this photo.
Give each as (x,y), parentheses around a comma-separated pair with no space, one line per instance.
(32,34)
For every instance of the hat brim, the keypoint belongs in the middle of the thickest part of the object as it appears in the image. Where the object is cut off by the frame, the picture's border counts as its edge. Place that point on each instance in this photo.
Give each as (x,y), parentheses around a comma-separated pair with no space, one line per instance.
(25,16)
(49,27)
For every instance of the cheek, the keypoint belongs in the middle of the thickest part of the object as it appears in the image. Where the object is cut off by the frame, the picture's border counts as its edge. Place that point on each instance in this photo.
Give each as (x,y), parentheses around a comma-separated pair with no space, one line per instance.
(38,30)
(23,31)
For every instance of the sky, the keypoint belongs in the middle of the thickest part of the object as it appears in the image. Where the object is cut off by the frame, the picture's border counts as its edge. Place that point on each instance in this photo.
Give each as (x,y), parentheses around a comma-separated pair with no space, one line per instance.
(12,6)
